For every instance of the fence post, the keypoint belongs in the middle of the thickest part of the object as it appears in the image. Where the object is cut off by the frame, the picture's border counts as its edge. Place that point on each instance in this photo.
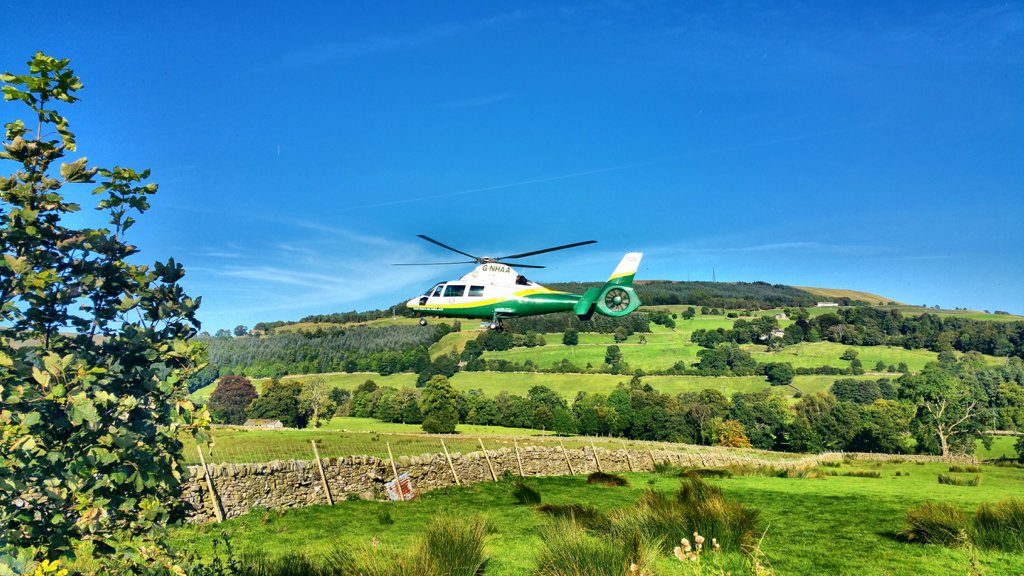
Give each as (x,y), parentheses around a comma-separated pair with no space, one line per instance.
(323,477)
(394,469)
(654,461)
(450,465)
(487,457)
(702,463)
(597,461)
(519,460)
(629,461)
(218,512)
(566,455)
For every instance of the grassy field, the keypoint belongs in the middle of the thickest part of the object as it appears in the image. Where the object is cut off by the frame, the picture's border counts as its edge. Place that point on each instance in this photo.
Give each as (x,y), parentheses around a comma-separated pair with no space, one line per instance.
(830,294)
(1002,447)
(833,525)
(336,379)
(355,436)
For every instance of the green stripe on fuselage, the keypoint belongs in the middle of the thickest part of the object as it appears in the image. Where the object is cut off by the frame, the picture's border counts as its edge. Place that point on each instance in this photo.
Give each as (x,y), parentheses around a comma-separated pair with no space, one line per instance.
(519,306)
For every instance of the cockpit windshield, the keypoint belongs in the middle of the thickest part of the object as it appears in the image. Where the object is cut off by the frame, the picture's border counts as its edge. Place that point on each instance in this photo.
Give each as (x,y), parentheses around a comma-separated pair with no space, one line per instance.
(432,288)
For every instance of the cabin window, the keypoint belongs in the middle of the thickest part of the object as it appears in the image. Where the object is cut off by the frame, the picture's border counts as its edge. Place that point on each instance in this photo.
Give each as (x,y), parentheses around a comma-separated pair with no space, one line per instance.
(437,291)
(475,291)
(454,290)
(432,289)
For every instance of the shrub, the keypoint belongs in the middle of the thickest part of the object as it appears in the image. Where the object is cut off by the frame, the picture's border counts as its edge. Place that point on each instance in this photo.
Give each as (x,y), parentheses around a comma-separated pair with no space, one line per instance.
(1000,525)
(667,468)
(384,518)
(832,464)
(958,480)
(439,406)
(525,494)
(964,468)
(570,550)
(935,523)
(855,473)
(280,401)
(606,479)
(586,516)
(696,507)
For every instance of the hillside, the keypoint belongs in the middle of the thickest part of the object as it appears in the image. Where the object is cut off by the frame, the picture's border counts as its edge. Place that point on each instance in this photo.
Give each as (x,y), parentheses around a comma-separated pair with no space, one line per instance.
(836,294)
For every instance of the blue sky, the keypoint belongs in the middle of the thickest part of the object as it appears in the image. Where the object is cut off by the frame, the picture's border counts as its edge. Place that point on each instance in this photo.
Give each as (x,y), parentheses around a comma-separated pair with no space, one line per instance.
(301,147)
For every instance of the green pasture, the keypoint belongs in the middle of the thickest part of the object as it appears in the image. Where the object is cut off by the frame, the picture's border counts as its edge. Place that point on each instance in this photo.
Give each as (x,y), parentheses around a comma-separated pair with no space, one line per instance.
(345,380)
(833,525)
(1002,447)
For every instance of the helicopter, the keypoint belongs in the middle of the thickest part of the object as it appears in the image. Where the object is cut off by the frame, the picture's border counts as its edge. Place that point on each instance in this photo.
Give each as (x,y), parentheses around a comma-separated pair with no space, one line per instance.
(494,290)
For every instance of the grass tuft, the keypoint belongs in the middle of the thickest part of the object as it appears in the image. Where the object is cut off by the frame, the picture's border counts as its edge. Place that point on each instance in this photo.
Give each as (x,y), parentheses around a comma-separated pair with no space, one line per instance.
(958,480)
(709,472)
(855,473)
(606,479)
(696,507)
(964,468)
(384,518)
(935,523)
(569,550)
(586,516)
(525,494)
(1000,525)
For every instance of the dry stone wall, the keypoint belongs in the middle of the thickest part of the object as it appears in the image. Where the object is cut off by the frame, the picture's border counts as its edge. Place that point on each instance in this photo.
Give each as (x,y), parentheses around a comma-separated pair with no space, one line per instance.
(280,485)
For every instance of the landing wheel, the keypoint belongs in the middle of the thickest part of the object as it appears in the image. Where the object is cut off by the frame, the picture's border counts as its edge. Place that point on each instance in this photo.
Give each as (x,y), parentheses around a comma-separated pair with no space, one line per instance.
(496,326)
(423,321)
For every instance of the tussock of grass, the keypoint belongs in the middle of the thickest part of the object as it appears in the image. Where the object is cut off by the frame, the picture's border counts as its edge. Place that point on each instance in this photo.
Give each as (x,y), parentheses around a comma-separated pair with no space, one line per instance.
(569,550)
(1003,463)
(696,507)
(1000,525)
(709,472)
(958,480)
(384,518)
(935,523)
(525,494)
(964,468)
(323,563)
(855,473)
(586,516)
(667,468)
(997,526)
(832,464)
(606,479)
(450,546)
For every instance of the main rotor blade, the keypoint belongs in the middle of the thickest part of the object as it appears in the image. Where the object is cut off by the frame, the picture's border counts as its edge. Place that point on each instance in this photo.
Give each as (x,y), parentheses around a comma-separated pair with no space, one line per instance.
(535,252)
(514,265)
(435,263)
(432,241)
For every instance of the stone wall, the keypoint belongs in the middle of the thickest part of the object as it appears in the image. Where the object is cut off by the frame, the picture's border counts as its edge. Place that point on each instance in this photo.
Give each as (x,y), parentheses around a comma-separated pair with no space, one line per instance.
(280,485)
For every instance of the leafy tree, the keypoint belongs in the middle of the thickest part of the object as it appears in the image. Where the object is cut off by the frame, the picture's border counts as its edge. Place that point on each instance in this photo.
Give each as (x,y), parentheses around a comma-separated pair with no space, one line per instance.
(280,401)
(689,313)
(340,398)
(613,355)
(364,400)
(764,416)
(884,428)
(240,330)
(231,398)
(571,338)
(779,373)
(849,354)
(315,399)
(620,335)
(822,423)
(856,366)
(950,406)
(857,391)
(879,366)
(95,348)
(730,433)
(439,407)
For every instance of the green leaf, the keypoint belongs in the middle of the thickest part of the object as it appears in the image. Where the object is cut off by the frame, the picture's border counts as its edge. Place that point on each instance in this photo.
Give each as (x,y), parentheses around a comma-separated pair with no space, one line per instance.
(76,172)
(83,410)
(31,419)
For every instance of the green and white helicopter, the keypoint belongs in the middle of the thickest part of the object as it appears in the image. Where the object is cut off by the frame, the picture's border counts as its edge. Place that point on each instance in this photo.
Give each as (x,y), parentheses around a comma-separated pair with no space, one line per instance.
(494,290)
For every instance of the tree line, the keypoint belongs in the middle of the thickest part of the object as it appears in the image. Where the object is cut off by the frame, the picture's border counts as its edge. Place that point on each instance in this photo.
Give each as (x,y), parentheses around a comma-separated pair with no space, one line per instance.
(872,326)
(944,409)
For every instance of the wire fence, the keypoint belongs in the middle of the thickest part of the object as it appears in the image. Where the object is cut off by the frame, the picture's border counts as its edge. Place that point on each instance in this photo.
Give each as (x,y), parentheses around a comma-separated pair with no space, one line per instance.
(237,445)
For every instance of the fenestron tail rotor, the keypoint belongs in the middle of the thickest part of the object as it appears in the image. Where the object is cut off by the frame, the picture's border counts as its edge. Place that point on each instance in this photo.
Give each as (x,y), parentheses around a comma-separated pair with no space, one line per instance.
(489,260)
(616,299)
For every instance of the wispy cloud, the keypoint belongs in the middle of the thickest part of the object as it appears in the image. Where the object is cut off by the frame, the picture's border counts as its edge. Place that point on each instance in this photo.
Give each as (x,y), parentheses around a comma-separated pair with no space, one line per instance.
(427,35)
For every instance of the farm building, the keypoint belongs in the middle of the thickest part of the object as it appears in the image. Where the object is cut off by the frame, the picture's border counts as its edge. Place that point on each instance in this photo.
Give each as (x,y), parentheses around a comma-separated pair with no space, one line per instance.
(827,304)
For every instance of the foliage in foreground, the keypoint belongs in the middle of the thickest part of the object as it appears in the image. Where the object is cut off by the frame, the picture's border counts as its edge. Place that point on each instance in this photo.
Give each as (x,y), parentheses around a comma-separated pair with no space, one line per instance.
(570,550)
(94,352)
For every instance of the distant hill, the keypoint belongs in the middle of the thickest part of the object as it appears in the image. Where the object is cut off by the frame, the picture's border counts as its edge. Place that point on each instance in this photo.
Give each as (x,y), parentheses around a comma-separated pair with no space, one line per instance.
(835,294)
